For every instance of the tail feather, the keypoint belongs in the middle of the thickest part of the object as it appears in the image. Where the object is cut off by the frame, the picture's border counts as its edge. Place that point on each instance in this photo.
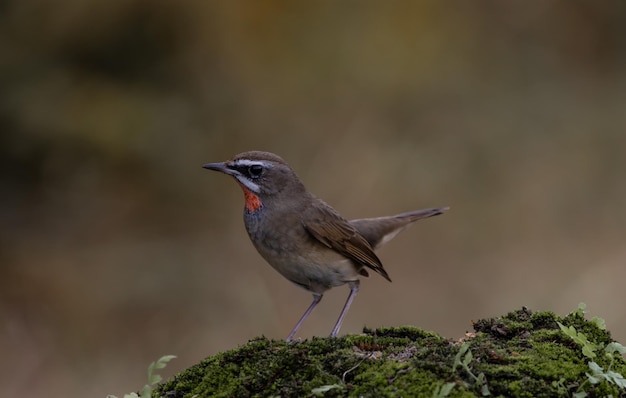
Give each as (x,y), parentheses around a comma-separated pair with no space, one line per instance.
(380,230)
(424,213)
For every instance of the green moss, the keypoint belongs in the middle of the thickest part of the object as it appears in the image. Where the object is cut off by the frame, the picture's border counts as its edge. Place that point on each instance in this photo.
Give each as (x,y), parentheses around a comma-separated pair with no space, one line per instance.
(522,354)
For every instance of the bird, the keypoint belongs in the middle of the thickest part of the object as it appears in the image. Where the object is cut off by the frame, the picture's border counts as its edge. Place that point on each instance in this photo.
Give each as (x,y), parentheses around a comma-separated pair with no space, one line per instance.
(302,237)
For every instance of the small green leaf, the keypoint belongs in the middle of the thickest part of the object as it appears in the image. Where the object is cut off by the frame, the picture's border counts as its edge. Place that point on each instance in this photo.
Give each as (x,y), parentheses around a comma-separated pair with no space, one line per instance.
(599,322)
(616,378)
(158,364)
(593,379)
(581,394)
(467,358)
(446,389)
(162,362)
(457,358)
(588,351)
(319,391)
(579,338)
(145,392)
(155,379)
(570,331)
(443,391)
(615,347)
(595,368)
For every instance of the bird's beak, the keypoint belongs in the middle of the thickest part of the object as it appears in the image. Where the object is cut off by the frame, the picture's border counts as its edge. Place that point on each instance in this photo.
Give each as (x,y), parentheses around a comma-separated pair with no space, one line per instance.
(221,167)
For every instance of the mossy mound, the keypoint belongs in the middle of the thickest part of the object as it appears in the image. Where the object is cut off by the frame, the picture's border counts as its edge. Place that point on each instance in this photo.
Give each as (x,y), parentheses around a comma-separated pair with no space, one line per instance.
(522,354)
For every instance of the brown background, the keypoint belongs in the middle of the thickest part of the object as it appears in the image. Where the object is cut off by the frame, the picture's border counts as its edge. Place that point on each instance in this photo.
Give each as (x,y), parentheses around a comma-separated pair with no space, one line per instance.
(117,248)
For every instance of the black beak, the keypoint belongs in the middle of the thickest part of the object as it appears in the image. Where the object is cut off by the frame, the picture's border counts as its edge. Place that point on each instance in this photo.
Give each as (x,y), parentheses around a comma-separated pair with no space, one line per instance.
(221,167)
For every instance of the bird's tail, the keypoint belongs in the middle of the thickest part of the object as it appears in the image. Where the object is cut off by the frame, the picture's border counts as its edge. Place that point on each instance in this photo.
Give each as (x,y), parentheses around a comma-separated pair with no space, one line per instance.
(380,230)
(423,213)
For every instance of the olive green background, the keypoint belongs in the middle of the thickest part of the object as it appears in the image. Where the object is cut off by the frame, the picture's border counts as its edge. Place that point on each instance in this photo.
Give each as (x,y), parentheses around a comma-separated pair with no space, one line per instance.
(116,247)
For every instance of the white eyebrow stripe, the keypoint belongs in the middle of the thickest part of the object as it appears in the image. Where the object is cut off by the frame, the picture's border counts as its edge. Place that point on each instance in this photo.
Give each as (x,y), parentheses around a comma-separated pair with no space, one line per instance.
(246,162)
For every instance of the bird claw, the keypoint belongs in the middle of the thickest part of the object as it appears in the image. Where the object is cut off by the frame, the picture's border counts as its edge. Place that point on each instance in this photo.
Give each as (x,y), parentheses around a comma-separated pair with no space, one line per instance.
(295,341)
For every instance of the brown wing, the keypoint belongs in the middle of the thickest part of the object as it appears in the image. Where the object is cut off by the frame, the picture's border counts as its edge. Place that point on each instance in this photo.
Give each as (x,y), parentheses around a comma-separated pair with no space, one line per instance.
(328,227)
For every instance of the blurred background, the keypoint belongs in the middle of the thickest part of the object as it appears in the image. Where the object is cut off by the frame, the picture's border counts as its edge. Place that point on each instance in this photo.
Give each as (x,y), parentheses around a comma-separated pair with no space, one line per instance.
(116,247)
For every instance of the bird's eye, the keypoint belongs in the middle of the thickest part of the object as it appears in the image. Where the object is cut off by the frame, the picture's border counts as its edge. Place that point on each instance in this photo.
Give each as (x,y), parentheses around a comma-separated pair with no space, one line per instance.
(255,170)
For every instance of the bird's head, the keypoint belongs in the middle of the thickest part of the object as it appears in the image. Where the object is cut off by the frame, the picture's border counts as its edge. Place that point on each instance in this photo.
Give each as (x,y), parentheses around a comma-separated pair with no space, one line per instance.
(261,175)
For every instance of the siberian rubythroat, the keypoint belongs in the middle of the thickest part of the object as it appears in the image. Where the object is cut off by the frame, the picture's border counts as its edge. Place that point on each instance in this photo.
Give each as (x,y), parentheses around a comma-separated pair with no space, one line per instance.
(302,237)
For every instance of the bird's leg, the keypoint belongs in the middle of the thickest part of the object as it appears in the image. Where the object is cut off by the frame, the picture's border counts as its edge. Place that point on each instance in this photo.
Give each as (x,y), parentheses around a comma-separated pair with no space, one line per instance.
(354,289)
(316,299)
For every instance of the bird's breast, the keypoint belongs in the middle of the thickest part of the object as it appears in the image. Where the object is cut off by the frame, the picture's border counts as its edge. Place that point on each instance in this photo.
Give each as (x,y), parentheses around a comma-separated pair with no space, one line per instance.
(285,244)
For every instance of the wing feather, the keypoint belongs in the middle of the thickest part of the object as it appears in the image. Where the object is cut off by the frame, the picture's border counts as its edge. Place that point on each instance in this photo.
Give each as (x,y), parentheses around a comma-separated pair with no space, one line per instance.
(329,228)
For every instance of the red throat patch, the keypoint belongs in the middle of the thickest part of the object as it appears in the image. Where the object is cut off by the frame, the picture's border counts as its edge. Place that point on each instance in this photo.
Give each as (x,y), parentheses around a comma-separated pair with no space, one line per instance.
(253,202)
